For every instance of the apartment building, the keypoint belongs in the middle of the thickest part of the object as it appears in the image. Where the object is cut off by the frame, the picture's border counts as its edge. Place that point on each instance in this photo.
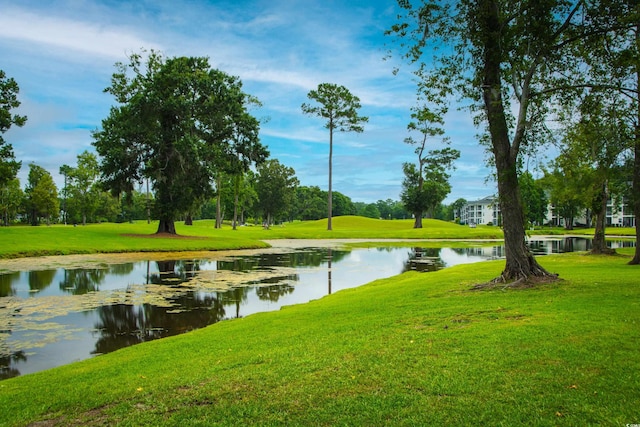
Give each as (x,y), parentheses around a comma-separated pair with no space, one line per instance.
(483,211)
(487,210)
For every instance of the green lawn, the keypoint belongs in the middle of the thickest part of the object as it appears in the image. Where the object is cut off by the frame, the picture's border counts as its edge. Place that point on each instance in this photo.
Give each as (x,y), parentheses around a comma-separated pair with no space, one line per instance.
(134,237)
(108,237)
(415,349)
(612,231)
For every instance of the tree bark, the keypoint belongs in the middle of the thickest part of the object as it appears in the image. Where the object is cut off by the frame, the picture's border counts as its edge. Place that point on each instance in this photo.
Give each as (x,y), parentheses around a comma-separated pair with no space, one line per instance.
(599,245)
(636,164)
(166,226)
(520,262)
(418,221)
(219,204)
(330,201)
(236,190)
(188,220)
(568,223)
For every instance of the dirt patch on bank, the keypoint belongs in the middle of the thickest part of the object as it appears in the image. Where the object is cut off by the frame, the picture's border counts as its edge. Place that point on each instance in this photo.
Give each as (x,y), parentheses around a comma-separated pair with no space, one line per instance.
(102,260)
(164,236)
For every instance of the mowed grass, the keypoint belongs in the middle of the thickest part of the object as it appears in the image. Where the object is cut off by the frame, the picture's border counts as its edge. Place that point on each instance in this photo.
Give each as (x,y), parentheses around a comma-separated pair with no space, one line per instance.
(612,231)
(139,236)
(109,237)
(415,349)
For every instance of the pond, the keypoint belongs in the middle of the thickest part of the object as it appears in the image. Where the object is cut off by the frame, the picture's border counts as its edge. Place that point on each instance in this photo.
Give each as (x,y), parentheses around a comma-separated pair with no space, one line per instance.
(54,316)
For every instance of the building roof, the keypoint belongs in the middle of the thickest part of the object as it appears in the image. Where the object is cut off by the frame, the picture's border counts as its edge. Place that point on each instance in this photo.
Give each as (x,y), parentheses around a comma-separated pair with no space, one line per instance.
(484,201)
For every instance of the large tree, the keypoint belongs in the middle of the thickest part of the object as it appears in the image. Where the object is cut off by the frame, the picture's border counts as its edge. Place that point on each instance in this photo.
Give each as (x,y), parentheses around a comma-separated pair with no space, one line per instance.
(174,124)
(9,90)
(340,108)
(595,144)
(614,64)
(426,183)
(500,54)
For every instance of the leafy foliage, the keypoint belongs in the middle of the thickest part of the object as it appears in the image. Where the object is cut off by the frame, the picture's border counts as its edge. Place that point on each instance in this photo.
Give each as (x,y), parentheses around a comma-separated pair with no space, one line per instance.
(595,144)
(8,101)
(11,198)
(178,122)
(534,199)
(41,195)
(276,185)
(427,184)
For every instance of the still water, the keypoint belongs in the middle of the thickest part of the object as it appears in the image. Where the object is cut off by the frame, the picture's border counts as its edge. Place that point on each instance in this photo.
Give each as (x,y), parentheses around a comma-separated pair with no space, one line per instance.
(52,317)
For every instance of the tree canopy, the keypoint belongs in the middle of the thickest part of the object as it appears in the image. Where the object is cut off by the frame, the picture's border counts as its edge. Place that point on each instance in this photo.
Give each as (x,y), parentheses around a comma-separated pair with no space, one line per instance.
(503,56)
(8,101)
(276,187)
(42,195)
(177,123)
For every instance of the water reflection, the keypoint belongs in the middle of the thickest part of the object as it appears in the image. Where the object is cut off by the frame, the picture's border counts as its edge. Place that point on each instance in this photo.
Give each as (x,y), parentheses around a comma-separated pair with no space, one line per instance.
(99,310)
(39,280)
(79,282)
(7,281)
(424,259)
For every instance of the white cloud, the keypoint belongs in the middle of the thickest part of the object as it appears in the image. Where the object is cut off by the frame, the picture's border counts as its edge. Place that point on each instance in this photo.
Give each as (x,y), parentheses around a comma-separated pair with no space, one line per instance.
(62,54)
(83,38)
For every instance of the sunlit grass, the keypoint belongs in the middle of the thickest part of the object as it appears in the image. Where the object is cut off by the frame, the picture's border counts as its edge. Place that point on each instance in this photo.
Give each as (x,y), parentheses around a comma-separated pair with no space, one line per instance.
(135,237)
(415,349)
(612,231)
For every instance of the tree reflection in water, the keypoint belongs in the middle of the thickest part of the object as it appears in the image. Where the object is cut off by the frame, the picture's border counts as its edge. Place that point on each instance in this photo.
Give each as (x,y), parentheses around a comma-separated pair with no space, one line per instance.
(82,281)
(424,259)
(123,325)
(40,279)
(6,371)
(7,281)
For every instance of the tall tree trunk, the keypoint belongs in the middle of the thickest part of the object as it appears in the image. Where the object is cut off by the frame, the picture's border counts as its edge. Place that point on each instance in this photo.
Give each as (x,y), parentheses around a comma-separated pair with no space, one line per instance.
(219,203)
(235,212)
(148,204)
(236,190)
(418,220)
(418,215)
(568,223)
(599,245)
(520,262)
(330,201)
(188,220)
(166,226)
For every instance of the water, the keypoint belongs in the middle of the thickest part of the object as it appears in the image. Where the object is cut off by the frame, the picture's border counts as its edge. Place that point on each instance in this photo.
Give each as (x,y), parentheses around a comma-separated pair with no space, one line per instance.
(53,317)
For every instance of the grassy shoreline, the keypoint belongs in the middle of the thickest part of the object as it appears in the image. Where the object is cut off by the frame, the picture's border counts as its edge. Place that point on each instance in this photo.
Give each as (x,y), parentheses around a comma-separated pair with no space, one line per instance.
(415,349)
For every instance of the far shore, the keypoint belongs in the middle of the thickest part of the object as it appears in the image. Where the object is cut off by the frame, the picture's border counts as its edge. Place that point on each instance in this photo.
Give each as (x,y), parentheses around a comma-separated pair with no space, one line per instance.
(276,246)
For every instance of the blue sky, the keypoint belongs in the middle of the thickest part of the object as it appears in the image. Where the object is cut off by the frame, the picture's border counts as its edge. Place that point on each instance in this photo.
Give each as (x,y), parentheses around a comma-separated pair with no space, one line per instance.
(62,54)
